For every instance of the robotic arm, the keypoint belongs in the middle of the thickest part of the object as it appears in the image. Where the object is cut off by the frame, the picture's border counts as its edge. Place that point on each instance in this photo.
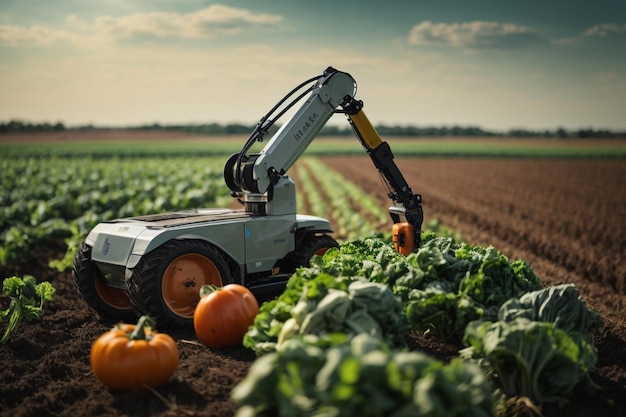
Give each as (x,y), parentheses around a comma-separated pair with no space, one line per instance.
(407,234)
(333,92)
(256,173)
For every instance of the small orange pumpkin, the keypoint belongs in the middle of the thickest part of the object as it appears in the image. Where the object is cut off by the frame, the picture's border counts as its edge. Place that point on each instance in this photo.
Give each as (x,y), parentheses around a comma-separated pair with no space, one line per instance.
(224,314)
(134,356)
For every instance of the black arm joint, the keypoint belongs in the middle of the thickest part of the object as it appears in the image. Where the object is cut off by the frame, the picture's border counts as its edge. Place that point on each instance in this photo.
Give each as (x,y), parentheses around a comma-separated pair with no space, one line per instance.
(275,175)
(351,106)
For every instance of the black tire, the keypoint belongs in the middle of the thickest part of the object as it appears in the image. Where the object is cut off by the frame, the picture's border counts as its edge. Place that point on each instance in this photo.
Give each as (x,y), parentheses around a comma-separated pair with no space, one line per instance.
(311,245)
(166,282)
(108,302)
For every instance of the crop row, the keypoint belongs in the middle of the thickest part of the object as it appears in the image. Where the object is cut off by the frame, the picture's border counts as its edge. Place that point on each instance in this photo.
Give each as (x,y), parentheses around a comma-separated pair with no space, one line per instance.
(64,198)
(355,213)
(352,211)
(45,199)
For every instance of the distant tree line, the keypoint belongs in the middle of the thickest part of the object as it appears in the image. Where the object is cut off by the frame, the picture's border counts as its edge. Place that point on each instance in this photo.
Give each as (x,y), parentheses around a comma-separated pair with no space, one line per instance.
(203,129)
(383,130)
(20,126)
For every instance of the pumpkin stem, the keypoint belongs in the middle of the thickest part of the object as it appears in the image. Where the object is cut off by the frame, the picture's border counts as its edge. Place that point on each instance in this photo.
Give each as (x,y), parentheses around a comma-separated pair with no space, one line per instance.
(207,289)
(140,329)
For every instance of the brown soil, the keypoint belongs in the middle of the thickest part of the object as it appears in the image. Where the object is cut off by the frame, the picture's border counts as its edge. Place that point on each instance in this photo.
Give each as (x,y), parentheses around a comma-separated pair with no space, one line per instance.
(566,218)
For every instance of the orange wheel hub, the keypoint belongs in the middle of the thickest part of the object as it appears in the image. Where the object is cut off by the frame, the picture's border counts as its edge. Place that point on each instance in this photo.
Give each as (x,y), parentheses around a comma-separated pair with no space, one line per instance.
(183,279)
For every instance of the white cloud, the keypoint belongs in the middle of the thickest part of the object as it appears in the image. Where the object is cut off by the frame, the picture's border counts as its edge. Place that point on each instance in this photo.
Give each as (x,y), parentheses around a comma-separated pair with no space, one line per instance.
(601,31)
(604,30)
(210,22)
(13,35)
(472,35)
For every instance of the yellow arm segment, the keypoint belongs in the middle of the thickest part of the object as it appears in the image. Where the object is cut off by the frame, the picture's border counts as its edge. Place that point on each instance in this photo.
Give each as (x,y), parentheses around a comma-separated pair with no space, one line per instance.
(365,130)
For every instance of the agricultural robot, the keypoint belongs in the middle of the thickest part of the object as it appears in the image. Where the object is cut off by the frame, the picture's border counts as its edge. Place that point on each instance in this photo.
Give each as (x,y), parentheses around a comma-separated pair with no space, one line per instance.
(155,264)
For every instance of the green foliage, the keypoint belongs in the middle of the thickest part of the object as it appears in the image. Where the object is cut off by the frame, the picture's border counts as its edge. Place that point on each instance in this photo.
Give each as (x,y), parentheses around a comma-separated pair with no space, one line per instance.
(26,301)
(459,283)
(223,146)
(540,349)
(443,313)
(496,279)
(360,377)
(323,305)
(559,304)
(372,258)
(443,285)
(45,201)
(48,199)
(531,358)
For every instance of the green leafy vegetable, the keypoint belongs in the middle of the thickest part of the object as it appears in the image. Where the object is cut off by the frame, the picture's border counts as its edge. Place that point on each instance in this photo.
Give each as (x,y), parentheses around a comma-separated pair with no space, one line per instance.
(327,305)
(371,258)
(362,377)
(443,313)
(457,283)
(559,304)
(531,359)
(27,298)
(357,298)
(497,280)
(304,287)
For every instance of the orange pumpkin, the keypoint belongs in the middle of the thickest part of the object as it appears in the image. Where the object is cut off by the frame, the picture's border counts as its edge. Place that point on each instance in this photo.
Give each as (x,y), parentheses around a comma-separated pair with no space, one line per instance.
(134,356)
(224,314)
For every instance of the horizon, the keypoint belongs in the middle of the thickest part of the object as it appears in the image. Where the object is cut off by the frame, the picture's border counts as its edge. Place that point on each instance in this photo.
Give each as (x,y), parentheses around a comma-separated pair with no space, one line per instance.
(383,129)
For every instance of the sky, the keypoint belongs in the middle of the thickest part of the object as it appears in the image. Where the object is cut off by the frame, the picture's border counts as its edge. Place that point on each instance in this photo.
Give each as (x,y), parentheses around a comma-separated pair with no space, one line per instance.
(494,64)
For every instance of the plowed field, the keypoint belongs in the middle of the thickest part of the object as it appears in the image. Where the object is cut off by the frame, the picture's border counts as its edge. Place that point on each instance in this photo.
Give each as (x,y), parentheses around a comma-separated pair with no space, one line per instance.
(566,218)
